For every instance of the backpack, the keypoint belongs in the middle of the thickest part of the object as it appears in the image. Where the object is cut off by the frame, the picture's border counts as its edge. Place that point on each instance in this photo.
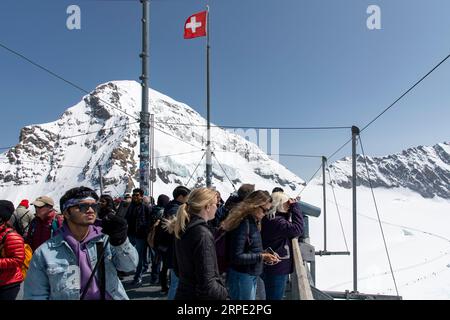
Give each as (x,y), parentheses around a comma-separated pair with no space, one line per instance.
(151,234)
(222,244)
(55,225)
(17,224)
(222,252)
(28,254)
(162,239)
(156,215)
(155,221)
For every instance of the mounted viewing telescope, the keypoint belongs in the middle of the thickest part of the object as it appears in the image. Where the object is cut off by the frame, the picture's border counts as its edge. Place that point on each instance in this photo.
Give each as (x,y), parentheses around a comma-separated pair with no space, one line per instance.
(309,209)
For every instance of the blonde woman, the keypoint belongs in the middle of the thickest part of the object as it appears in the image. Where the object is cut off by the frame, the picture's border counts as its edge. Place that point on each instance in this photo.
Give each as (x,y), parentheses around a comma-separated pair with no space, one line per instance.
(195,260)
(283,223)
(246,250)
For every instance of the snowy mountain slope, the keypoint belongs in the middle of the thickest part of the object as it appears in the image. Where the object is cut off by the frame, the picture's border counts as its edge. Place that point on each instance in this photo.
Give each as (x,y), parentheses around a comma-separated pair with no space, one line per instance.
(412,194)
(417,235)
(47,162)
(423,169)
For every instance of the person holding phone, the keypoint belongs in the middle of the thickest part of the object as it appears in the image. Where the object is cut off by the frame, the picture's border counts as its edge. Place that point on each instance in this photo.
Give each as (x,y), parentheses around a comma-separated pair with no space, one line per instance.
(247,254)
(281,224)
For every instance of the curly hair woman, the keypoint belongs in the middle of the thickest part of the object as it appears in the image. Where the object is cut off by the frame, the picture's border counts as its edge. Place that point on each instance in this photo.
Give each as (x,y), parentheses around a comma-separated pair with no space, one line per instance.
(246,254)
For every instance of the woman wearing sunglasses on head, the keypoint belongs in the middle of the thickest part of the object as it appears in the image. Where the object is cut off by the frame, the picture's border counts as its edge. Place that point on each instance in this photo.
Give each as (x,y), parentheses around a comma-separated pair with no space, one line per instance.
(246,251)
(61,267)
(282,223)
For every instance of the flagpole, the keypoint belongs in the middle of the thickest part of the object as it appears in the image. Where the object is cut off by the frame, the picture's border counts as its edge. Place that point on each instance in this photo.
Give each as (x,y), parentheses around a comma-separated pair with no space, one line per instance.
(144,156)
(208,133)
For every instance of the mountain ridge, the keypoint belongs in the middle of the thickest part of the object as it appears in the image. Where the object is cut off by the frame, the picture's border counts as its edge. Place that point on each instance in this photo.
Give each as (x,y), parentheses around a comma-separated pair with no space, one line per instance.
(423,169)
(62,155)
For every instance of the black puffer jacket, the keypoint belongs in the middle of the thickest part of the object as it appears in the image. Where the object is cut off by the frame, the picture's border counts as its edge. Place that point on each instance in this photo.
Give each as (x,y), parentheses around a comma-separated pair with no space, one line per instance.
(246,248)
(223,211)
(171,209)
(156,214)
(195,263)
(168,239)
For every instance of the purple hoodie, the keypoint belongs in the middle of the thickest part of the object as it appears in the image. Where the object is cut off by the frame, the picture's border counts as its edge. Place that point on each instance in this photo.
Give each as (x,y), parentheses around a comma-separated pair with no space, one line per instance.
(81,252)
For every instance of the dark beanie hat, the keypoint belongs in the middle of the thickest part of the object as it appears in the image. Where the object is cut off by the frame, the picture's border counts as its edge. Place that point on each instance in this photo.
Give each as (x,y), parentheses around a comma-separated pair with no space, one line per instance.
(6,210)
(163,200)
(245,190)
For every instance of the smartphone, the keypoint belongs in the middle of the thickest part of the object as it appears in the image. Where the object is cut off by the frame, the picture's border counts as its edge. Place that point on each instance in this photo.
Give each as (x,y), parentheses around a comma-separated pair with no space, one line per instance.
(271,251)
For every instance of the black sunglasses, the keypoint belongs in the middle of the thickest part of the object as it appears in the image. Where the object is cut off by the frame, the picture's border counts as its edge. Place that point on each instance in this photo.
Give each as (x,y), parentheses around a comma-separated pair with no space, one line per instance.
(264,209)
(84,207)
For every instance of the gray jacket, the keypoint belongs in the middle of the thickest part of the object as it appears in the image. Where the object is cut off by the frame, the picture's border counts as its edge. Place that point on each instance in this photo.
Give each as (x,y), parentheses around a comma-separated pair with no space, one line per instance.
(24,216)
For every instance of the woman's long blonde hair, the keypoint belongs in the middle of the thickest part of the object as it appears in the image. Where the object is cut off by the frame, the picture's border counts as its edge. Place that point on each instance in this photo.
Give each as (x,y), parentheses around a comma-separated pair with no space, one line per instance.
(198,199)
(252,202)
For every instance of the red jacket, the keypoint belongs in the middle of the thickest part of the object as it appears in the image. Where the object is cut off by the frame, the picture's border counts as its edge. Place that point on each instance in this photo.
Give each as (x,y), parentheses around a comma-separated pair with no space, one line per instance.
(12,256)
(40,230)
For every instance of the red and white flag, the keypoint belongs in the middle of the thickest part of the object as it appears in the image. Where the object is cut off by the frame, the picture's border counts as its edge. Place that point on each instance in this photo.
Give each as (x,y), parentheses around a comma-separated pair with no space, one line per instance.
(195,25)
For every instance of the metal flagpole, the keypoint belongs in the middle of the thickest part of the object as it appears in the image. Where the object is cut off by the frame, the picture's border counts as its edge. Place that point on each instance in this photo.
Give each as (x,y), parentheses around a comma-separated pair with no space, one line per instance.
(355,133)
(144,156)
(208,132)
(324,163)
(100,178)
(152,153)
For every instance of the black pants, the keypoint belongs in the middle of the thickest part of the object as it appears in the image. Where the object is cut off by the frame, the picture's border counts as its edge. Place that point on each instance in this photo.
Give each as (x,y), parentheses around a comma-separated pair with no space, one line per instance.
(9,292)
(156,263)
(163,276)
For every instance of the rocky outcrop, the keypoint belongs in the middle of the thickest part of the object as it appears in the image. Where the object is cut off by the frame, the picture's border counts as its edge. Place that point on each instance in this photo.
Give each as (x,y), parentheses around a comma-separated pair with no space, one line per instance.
(425,170)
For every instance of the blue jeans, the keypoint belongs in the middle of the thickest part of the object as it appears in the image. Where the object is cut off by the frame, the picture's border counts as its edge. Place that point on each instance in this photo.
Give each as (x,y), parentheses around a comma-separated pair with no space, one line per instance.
(241,286)
(275,284)
(173,285)
(156,263)
(141,248)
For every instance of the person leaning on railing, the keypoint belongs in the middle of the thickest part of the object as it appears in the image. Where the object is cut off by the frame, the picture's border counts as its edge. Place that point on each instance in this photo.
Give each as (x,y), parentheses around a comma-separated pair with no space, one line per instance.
(282,223)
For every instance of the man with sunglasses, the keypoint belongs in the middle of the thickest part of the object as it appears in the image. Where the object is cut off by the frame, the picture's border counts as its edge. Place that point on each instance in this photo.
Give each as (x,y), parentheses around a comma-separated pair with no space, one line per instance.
(45,223)
(62,268)
(139,222)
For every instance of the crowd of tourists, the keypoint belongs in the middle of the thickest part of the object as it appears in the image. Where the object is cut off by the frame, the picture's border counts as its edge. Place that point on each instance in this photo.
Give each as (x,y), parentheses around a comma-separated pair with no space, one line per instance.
(194,245)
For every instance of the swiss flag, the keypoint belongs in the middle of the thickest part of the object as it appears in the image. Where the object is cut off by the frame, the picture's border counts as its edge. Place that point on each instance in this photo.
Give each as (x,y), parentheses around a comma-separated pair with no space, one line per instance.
(195,25)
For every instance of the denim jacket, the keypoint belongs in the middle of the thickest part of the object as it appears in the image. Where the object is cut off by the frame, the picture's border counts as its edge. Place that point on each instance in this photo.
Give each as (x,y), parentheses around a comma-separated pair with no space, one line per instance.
(54,273)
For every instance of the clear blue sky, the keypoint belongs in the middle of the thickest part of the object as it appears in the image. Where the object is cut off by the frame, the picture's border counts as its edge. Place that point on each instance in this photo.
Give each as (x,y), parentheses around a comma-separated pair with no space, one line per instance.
(274,63)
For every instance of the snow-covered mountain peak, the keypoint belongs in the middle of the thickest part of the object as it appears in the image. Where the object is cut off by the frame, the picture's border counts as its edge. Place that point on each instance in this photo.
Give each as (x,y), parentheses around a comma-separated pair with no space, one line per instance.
(55,156)
(423,169)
